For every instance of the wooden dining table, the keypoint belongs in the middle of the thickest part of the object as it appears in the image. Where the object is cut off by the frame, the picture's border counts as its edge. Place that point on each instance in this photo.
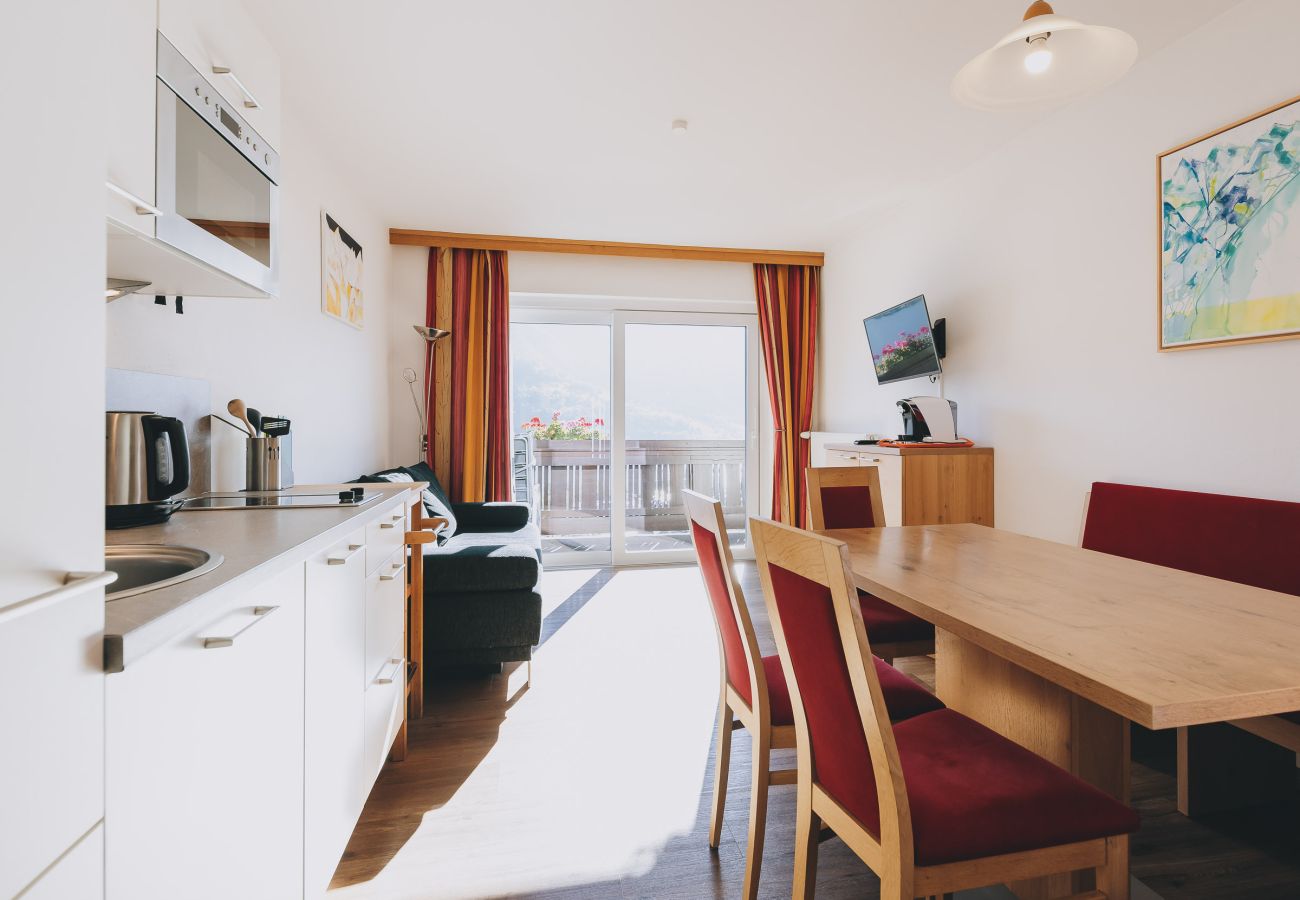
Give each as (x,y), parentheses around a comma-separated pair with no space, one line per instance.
(1060,648)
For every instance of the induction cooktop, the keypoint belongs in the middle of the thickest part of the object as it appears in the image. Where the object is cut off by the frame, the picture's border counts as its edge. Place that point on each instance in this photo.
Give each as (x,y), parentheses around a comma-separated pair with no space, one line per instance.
(270,500)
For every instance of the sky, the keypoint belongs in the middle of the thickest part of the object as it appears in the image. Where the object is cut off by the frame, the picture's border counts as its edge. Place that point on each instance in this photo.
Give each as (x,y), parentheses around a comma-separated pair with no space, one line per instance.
(684,382)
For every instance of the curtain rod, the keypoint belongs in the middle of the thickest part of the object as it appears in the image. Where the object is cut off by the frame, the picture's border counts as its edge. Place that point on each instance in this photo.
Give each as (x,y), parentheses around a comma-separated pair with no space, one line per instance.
(411,237)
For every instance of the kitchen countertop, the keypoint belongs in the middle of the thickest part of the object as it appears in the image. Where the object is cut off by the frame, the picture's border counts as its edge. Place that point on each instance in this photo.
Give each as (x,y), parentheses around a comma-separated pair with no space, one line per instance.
(256,544)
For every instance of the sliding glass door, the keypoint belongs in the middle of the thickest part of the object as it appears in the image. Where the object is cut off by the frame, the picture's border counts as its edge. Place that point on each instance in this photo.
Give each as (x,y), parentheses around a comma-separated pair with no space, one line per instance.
(618,412)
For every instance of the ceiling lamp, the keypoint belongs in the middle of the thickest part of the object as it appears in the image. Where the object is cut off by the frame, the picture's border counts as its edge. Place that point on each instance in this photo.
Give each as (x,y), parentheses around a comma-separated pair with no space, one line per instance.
(1047,60)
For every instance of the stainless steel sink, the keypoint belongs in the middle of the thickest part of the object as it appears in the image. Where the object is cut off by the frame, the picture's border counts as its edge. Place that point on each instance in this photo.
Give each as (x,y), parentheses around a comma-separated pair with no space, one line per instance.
(147,567)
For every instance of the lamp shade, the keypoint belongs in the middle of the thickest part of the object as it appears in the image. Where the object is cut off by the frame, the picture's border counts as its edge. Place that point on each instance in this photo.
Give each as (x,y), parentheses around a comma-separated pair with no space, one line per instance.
(1069,59)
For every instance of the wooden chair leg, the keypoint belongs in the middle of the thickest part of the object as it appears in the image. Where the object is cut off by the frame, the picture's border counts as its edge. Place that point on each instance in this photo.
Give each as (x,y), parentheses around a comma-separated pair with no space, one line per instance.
(1113,877)
(762,762)
(721,763)
(807,827)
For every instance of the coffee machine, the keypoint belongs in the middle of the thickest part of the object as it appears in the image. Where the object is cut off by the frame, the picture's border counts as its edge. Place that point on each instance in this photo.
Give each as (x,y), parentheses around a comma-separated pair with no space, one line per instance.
(928,417)
(147,463)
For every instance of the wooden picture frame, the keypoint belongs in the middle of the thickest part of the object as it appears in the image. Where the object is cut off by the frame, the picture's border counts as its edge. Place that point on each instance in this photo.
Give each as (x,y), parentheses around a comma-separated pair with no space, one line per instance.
(1217,246)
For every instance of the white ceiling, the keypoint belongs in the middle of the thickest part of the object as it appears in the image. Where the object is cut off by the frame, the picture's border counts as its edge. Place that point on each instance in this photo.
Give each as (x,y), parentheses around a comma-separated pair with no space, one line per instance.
(553,118)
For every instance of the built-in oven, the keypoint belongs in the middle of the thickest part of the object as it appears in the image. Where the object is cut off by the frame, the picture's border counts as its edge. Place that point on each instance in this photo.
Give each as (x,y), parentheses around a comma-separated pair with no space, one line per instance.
(217,178)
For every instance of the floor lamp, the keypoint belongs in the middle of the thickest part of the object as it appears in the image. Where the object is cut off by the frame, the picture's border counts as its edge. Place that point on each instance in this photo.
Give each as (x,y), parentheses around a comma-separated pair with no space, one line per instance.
(431,335)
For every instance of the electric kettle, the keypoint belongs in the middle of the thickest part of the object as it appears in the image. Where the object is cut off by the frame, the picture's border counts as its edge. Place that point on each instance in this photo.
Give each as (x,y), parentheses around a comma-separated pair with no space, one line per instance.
(147,463)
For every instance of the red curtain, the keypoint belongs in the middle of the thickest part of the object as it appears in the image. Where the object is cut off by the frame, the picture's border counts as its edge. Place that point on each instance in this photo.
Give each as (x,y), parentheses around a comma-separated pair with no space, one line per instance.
(469,295)
(787,321)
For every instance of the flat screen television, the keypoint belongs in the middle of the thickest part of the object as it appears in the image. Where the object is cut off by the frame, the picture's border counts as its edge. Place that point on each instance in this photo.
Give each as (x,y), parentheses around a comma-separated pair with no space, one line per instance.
(902,345)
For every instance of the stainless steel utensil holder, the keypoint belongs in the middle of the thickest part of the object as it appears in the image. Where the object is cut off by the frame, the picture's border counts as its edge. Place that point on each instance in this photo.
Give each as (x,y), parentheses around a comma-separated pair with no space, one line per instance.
(269,463)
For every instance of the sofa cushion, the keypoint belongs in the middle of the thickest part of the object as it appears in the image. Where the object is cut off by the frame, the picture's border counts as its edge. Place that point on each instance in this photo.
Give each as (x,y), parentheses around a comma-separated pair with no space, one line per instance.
(487,561)
(442,532)
(489,619)
(504,516)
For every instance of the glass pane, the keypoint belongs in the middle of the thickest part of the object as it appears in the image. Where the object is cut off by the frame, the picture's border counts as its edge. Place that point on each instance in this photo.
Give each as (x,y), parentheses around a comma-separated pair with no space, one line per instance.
(685,413)
(559,396)
(219,190)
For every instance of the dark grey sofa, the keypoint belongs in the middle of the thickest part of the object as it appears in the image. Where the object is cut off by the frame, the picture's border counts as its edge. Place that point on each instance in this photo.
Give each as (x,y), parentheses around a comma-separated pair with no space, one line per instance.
(481,603)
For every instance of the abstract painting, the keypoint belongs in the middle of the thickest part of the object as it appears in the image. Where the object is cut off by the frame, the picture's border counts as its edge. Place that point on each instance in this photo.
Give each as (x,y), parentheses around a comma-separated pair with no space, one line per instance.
(342,264)
(1230,233)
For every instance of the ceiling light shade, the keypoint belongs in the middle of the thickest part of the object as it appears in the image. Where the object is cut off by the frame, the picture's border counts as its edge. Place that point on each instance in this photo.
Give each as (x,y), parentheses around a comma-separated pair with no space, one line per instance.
(1047,60)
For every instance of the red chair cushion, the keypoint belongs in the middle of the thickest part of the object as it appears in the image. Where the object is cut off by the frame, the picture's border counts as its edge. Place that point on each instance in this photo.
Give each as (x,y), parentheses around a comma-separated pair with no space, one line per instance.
(973,793)
(848,506)
(887,624)
(904,698)
(1238,539)
(724,617)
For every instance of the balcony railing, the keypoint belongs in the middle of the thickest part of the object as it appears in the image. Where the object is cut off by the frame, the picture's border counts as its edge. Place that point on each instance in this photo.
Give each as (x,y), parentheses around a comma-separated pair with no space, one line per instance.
(570,484)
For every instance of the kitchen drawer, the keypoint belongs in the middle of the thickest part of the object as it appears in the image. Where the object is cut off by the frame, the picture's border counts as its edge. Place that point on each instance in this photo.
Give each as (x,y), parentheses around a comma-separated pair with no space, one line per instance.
(51,731)
(841,458)
(384,695)
(384,534)
(385,603)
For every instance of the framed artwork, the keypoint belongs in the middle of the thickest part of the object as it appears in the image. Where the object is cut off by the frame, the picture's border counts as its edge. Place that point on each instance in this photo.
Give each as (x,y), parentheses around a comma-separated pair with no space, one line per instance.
(342,265)
(1230,233)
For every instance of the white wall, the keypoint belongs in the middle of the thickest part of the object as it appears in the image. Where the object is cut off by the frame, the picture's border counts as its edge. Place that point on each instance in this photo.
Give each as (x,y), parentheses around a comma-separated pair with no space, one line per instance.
(283,356)
(1044,258)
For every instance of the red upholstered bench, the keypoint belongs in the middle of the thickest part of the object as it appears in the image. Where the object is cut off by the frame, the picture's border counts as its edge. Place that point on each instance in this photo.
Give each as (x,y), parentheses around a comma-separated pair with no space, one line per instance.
(1241,539)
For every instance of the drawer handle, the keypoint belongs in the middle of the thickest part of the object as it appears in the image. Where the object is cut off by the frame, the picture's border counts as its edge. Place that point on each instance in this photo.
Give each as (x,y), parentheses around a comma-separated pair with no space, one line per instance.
(141,207)
(250,102)
(259,613)
(397,570)
(389,678)
(344,560)
(393,524)
(73,583)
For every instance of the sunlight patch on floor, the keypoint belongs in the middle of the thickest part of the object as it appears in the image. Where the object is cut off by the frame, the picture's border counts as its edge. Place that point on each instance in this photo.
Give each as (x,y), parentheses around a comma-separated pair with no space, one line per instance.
(600,761)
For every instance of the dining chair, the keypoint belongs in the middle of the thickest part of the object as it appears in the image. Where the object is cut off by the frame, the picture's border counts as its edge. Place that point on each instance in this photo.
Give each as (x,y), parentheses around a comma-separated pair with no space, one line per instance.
(936,803)
(753,692)
(849,497)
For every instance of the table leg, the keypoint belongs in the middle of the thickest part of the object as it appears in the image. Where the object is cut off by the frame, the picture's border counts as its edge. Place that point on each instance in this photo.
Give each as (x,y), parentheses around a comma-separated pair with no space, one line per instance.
(1221,767)
(1071,732)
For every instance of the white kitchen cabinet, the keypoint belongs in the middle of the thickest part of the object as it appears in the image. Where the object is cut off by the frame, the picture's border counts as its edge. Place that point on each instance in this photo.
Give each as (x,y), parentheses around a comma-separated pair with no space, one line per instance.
(52,721)
(221,33)
(78,875)
(205,755)
(131,97)
(336,677)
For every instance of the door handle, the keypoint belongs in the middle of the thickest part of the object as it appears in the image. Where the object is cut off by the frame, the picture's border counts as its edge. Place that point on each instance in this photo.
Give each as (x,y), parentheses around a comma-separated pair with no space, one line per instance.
(142,207)
(397,570)
(250,102)
(259,613)
(73,583)
(391,676)
(344,560)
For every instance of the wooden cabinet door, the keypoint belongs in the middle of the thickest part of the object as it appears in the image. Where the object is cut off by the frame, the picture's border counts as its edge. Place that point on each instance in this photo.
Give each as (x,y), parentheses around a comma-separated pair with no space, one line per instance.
(336,784)
(51,731)
(205,755)
(132,97)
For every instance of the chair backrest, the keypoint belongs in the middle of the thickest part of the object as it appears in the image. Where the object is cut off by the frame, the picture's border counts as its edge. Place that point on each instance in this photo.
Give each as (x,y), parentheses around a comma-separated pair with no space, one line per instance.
(741,662)
(844,497)
(1240,539)
(844,738)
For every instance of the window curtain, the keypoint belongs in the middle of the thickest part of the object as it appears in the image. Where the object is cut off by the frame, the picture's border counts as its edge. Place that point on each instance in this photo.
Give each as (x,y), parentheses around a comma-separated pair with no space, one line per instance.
(469,418)
(787,324)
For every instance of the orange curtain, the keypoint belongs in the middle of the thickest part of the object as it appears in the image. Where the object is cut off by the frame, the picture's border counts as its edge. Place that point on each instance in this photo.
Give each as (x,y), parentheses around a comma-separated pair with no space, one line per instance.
(787,324)
(469,418)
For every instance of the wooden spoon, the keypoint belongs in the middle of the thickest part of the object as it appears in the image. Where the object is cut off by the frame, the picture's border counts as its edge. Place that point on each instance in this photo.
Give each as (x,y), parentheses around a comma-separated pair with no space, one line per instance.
(240,412)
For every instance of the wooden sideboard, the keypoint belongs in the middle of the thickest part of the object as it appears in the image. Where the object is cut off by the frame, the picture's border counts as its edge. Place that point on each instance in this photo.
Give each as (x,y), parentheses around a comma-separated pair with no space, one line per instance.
(926,486)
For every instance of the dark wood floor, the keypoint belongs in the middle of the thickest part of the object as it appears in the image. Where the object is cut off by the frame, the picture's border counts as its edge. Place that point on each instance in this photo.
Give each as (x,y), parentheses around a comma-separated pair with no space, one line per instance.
(594,781)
